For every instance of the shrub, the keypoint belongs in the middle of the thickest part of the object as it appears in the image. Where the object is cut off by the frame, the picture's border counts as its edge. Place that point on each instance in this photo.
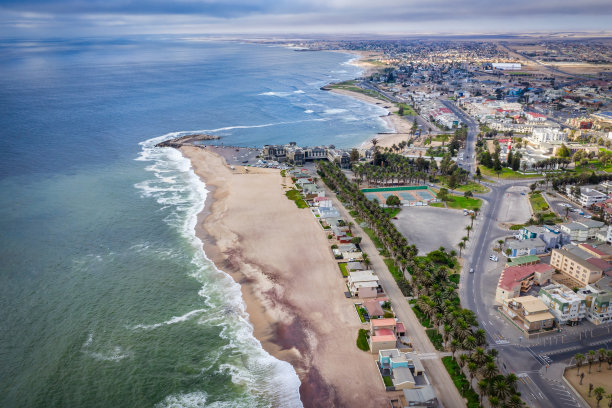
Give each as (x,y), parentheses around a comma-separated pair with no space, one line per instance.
(362,340)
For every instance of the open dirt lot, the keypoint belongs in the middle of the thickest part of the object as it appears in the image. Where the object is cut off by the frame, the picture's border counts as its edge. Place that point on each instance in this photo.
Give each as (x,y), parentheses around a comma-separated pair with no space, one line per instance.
(430,228)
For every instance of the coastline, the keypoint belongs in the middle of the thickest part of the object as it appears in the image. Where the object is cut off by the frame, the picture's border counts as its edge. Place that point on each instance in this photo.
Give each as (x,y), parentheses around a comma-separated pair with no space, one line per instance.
(289,280)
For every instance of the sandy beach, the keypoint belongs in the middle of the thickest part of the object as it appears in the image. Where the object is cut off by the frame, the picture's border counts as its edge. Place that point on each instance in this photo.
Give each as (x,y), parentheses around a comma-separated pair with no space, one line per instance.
(399,129)
(290,282)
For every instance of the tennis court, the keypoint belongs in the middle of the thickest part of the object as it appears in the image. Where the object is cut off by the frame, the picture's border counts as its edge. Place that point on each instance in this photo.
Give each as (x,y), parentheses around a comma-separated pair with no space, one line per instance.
(413,195)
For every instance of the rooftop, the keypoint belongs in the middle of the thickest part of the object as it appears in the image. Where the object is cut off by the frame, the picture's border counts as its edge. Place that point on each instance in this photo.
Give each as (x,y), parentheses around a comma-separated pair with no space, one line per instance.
(520,260)
(526,243)
(423,394)
(513,275)
(363,276)
(383,322)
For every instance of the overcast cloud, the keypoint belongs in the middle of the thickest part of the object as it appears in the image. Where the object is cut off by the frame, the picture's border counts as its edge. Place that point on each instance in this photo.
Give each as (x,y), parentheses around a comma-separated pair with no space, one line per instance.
(95,17)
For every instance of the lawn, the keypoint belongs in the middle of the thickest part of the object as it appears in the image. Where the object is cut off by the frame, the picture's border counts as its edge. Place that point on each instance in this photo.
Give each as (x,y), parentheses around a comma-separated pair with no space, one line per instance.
(392,212)
(594,165)
(460,202)
(360,311)
(507,173)
(387,380)
(441,138)
(349,86)
(461,381)
(538,203)
(473,186)
(295,196)
(408,111)
(395,272)
(436,339)
(377,242)
(437,205)
(422,317)
(362,340)
(342,267)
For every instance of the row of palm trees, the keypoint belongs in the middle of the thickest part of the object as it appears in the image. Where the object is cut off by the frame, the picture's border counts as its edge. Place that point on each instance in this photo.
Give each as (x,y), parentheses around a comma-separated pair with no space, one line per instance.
(500,390)
(426,277)
(600,356)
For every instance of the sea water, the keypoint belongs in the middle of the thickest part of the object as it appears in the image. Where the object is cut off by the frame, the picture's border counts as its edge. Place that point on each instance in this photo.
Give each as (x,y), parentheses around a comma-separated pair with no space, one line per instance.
(106,297)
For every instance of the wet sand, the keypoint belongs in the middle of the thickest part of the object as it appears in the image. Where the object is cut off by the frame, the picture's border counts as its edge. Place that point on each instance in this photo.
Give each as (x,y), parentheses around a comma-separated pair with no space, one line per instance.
(290,281)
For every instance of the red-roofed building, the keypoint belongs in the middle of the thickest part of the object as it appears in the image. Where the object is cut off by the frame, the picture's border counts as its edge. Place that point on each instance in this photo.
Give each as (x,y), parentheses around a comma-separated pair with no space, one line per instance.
(384,334)
(517,279)
(535,117)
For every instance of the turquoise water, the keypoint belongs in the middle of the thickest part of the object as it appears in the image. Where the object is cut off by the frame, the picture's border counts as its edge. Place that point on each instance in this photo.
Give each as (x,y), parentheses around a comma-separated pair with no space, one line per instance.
(106,298)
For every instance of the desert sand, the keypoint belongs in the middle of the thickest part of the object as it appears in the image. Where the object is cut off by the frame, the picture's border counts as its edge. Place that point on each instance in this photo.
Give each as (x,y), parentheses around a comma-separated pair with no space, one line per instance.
(290,282)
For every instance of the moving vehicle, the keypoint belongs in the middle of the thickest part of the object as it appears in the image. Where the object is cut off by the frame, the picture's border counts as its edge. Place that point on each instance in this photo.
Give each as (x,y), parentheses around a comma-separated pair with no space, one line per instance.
(471,270)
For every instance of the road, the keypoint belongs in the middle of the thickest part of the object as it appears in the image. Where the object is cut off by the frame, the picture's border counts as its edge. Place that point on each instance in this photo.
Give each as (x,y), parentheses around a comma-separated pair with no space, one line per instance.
(528,358)
(446,391)
(469,162)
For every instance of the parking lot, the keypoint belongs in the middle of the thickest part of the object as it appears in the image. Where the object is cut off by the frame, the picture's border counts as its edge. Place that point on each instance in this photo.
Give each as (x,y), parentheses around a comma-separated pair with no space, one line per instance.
(430,228)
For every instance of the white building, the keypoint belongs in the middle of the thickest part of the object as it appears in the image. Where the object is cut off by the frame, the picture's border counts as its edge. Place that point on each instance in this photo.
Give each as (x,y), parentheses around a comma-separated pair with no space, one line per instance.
(363,284)
(547,135)
(512,66)
(590,196)
(567,307)
(580,231)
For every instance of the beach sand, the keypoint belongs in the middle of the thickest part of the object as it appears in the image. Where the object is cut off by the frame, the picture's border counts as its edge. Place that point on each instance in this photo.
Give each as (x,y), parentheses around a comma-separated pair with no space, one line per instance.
(289,279)
(399,129)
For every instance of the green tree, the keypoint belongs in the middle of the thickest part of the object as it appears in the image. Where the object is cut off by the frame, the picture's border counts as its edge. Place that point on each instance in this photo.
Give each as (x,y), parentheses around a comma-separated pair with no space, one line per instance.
(599,393)
(354,156)
(468,194)
(356,240)
(393,201)
(563,151)
(443,194)
(579,357)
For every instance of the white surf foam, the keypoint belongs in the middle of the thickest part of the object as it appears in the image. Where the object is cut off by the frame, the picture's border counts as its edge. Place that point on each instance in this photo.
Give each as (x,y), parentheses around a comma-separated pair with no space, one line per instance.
(250,366)
(173,320)
(308,111)
(334,111)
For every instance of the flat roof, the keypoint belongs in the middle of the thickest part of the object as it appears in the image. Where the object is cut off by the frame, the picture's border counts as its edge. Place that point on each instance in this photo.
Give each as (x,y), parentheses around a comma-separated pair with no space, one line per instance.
(402,375)
(363,276)
(531,304)
(384,332)
(527,243)
(519,260)
(383,322)
(383,339)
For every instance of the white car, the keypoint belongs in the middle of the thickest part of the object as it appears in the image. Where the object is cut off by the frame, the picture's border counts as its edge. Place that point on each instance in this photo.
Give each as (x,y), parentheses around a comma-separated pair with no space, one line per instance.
(493,258)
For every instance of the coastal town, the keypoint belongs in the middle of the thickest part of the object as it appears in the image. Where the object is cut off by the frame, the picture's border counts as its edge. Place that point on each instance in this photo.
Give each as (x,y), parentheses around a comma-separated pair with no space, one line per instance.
(473,243)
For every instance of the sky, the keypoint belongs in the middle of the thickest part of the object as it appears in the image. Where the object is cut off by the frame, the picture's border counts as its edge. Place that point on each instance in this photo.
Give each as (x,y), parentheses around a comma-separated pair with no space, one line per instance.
(52,18)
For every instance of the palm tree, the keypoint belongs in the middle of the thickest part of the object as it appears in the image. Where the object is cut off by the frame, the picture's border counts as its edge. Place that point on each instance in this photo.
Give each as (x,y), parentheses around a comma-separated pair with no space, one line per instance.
(501,389)
(472,216)
(472,368)
(454,345)
(599,393)
(601,355)
(463,358)
(590,359)
(500,242)
(461,245)
(514,402)
(579,360)
(468,229)
(609,397)
(489,370)
(494,402)
(609,359)
(482,386)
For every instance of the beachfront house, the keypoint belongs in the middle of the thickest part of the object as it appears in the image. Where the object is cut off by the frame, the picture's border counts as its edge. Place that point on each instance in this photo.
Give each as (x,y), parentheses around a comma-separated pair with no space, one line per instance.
(405,369)
(363,284)
(384,334)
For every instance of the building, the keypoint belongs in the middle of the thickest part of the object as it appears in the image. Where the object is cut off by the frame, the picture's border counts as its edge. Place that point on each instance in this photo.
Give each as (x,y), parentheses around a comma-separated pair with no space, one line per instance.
(523,260)
(567,307)
(424,397)
(525,247)
(580,231)
(529,313)
(363,284)
(517,279)
(384,334)
(578,263)
(405,369)
(504,66)
(552,236)
(547,135)
(590,196)
(598,297)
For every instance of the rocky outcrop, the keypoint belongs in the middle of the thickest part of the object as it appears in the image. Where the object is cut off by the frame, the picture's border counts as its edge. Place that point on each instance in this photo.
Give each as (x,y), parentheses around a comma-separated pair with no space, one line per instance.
(186,140)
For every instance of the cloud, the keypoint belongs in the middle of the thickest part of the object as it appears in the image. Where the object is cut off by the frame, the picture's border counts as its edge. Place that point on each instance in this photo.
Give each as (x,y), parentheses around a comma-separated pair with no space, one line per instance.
(323,16)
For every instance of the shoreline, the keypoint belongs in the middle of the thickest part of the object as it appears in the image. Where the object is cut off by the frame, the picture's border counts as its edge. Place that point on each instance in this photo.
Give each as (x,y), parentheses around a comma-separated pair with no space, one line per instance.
(295,303)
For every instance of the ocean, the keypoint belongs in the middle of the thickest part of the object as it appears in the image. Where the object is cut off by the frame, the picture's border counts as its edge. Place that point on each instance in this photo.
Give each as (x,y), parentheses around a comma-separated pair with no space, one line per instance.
(106,297)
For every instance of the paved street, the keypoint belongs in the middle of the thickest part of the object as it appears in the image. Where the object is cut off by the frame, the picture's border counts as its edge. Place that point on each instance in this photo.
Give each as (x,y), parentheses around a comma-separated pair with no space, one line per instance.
(435,370)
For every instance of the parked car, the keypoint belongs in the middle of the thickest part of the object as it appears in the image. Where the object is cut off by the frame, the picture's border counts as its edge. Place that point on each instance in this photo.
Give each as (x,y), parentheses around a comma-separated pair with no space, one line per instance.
(493,258)
(588,216)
